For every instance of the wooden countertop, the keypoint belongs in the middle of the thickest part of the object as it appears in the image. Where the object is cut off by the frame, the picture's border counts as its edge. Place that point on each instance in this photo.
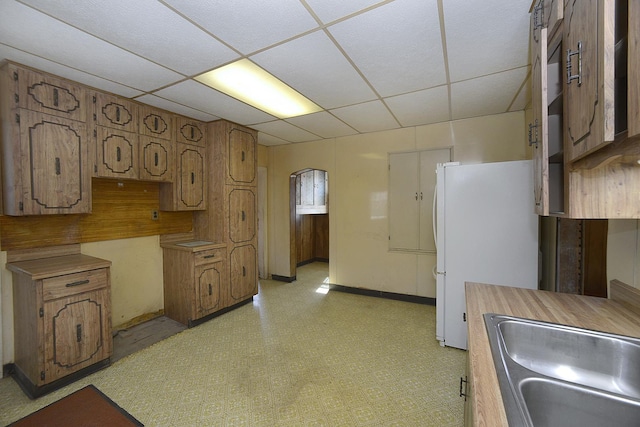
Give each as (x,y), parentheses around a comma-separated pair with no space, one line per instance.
(587,312)
(192,245)
(57,266)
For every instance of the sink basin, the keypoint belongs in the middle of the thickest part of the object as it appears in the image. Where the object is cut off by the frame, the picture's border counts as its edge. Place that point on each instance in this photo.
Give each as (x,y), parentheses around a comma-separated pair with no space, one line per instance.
(553,374)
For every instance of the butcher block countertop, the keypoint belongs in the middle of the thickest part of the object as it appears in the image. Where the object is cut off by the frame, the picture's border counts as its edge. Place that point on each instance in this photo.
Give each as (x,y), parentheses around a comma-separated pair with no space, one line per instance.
(586,312)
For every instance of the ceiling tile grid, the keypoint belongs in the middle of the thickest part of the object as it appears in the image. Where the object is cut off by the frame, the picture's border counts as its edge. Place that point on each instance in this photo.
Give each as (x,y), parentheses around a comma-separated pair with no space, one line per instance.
(370,64)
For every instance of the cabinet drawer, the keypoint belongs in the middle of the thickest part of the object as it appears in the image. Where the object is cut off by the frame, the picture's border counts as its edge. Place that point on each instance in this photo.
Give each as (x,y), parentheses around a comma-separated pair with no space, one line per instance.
(208,256)
(70,284)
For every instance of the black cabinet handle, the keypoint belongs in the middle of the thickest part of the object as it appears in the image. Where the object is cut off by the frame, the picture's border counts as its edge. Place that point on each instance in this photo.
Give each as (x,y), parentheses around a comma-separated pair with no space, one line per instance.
(118,154)
(78,283)
(244,216)
(55,97)
(210,289)
(78,332)
(118,114)
(208,256)
(243,156)
(156,159)
(58,167)
(244,271)
(193,178)
(155,123)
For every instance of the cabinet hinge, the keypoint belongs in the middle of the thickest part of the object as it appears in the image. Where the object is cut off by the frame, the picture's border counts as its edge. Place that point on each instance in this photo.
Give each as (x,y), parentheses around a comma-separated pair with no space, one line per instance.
(42,375)
(94,99)
(21,208)
(464,317)
(15,75)
(17,118)
(16,97)
(538,16)
(41,312)
(95,133)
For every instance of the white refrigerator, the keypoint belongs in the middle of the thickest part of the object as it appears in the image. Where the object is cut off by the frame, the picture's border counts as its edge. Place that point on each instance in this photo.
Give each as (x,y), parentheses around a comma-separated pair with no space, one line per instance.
(486,231)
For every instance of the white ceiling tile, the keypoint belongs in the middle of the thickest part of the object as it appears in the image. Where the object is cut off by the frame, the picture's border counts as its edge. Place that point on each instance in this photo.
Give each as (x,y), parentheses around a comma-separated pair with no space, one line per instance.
(50,38)
(248,25)
(316,68)
(367,117)
(398,46)
(38,63)
(421,108)
(145,27)
(485,37)
(270,140)
(176,108)
(330,10)
(286,131)
(210,101)
(485,95)
(323,124)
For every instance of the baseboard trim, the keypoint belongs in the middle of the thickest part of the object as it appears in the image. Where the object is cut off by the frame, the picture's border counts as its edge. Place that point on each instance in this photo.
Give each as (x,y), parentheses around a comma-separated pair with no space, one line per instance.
(201,320)
(387,295)
(309,261)
(283,278)
(8,370)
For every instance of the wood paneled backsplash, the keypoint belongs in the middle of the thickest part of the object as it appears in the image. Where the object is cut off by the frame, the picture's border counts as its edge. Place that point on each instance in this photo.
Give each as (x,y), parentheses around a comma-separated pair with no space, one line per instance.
(121,209)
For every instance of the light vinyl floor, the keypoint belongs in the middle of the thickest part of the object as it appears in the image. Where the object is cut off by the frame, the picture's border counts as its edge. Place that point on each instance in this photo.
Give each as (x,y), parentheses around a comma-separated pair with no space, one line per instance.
(293,357)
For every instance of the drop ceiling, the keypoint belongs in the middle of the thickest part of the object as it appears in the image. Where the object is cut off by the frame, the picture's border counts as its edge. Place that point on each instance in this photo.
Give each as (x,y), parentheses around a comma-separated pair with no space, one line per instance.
(371,65)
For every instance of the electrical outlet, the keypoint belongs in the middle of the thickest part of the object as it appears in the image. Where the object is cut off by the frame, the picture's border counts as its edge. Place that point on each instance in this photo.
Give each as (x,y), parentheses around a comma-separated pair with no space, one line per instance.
(154,214)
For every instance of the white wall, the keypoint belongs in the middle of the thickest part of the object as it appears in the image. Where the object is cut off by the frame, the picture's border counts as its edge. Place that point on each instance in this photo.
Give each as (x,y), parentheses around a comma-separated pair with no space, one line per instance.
(136,283)
(358,185)
(623,251)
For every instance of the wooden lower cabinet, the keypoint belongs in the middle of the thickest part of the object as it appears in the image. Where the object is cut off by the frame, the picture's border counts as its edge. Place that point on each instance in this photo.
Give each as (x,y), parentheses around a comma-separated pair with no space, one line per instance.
(194,281)
(62,320)
(243,273)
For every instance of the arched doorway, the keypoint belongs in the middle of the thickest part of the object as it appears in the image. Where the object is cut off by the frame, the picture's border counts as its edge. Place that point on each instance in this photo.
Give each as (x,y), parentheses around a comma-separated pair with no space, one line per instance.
(309,217)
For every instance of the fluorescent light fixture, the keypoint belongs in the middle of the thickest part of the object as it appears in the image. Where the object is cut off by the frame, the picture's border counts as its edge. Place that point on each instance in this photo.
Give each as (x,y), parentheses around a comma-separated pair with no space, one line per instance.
(249,83)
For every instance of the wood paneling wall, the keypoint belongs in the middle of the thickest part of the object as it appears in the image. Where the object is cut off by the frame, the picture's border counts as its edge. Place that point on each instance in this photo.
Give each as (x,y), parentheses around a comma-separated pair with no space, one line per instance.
(121,209)
(312,237)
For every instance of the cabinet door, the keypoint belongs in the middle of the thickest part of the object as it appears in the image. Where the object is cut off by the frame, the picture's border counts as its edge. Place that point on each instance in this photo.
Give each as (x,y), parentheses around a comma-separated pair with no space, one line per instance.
(242,215)
(208,288)
(242,157)
(114,112)
(155,123)
(46,94)
(538,133)
(589,64)
(190,131)
(77,333)
(547,14)
(116,153)
(633,69)
(403,201)
(191,178)
(157,159)
(55,178)
(243,265)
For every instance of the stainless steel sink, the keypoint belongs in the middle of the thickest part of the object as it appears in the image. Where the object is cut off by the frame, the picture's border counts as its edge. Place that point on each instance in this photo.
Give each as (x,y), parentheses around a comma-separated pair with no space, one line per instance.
(553,374)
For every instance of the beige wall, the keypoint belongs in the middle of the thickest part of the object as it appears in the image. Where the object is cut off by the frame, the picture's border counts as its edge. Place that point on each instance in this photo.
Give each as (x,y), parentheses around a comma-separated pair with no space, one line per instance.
(358,182)
(136,283)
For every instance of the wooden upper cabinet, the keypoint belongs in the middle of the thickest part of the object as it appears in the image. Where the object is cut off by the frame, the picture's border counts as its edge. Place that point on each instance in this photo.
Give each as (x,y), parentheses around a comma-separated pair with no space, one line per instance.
(191,131)
(157,159)
(188,191)
(589,64)
(50,175)
(242,157)
(155,123)
(114,112)
(633,67)
(48,94)
(538,133)
(547,14)
(116,153)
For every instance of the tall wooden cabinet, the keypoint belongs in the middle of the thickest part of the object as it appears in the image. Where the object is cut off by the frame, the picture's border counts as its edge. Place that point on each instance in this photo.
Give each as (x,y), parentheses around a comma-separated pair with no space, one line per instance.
(585,131)
(231,215)
(45,148)
(62,320)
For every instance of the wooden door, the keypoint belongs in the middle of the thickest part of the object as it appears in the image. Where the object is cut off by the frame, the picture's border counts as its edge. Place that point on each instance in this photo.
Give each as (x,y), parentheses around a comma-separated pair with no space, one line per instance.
(114,112)
(190,131)
(155,123)
(588,36)
(50,95)
(243,268)
(157,158)
(242,157)
(208,282)
(191,177)
(633,68)
(538,133)
(116,153)
(55,177)
(77,332)
(242,215)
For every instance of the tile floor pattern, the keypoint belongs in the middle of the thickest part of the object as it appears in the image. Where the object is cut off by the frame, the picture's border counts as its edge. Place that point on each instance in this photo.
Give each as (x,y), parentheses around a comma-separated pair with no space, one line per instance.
(294,357)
